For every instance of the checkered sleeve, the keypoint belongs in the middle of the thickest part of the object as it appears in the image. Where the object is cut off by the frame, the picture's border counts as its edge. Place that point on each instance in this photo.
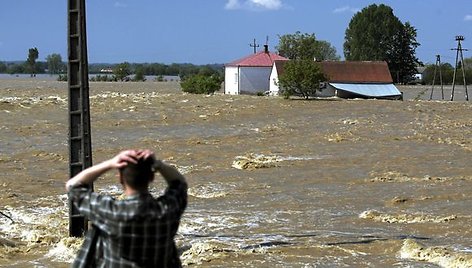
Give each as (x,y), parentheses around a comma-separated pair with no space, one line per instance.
(175,197)
(97,208)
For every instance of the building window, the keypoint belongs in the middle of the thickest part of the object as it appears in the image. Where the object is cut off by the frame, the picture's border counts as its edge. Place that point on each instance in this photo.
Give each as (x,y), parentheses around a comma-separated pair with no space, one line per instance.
(235,79)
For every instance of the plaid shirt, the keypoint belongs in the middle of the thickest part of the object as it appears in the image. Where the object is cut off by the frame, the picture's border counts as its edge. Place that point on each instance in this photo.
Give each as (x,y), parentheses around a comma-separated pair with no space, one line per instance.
(135,232)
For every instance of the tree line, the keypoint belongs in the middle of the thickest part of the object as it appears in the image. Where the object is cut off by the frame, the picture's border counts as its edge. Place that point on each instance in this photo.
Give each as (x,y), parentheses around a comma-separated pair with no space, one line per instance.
(55,65)
(446,72)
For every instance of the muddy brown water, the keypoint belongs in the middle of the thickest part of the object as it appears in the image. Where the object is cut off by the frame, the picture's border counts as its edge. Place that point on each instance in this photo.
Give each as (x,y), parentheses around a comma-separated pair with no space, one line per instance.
(273,182)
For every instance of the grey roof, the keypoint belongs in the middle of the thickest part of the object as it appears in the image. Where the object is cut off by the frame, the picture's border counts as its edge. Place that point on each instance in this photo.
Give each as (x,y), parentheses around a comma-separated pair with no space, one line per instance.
(369,90)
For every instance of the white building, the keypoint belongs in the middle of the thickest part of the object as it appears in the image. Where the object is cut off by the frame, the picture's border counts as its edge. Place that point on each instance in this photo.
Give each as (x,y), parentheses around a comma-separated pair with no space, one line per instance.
(277,68)
(250,75)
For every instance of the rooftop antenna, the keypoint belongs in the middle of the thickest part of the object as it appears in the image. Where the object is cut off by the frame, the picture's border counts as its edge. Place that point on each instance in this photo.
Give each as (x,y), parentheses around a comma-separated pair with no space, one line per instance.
(266,46)
(438,64)
(254,45)
(459,50)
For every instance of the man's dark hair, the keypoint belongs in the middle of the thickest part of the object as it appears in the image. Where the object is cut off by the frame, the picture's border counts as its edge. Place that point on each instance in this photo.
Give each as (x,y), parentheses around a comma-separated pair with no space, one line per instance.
(138,175)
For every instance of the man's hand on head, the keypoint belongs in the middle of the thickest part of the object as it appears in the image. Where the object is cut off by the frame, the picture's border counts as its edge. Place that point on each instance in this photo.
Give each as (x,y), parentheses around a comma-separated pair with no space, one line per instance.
(123,158)
(146,154)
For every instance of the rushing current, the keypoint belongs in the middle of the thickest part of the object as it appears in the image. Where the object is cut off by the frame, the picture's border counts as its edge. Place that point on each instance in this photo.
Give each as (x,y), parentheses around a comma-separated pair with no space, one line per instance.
(273,182)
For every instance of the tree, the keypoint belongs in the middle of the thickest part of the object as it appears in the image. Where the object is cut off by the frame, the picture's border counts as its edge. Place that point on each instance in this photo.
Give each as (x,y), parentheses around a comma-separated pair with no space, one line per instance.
(325,51)
(54,62)
(139,74)
(122,70)
(300,46)
(201,84)
(403,61)
(3,67)
(447,71)
(33,55)
(468,63)
(301,78)
(376,34)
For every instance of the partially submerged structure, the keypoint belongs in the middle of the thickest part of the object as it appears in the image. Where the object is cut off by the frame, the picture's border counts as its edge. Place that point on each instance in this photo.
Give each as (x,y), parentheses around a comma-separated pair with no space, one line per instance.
(349,79)
(250,75)
(359,79)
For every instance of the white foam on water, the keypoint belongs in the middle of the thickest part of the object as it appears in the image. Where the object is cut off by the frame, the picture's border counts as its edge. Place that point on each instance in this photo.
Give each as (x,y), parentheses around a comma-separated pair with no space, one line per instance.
(404,218)
(201,252)
(66,250)
(207,191)
(255,161)
(442,256)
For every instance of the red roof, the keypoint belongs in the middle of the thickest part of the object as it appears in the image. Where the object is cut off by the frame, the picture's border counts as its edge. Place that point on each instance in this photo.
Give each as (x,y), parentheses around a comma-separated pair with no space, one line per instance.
(260,59)
(357,71)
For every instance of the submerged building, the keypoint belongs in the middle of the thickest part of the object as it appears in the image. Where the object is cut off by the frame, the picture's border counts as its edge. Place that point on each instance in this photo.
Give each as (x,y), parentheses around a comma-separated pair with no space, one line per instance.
(250,75)
(349,79)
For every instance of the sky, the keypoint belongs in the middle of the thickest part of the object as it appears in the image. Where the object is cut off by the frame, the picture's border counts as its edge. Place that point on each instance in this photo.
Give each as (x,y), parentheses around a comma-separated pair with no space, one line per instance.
(215,31)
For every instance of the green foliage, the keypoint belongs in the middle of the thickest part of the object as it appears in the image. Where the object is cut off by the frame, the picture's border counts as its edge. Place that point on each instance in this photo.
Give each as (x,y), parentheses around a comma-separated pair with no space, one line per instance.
(300,46)
(3,67)
(103,78)
(376,34)
(201,84)
(468,63)
(122,70)
(301,78)
(139,74)
(402,61)
(55,64)
(17,68)
(33,55)
(62,78)
(175,69)
(447,71)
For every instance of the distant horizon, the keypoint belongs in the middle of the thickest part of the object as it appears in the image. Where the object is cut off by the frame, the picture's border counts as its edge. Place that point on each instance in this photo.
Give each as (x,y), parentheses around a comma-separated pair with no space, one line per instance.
(113,63)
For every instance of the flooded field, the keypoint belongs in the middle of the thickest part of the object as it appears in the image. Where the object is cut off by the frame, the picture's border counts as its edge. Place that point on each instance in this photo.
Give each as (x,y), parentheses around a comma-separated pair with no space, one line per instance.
(273,182)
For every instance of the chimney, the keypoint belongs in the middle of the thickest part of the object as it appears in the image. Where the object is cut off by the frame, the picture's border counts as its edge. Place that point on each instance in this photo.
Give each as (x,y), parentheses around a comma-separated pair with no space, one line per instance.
(266,49)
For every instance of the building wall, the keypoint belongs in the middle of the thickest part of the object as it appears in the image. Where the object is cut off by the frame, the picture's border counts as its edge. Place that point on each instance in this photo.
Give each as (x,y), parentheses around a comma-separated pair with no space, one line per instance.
(254,79)
(231,80)
(273,81)
(327,91)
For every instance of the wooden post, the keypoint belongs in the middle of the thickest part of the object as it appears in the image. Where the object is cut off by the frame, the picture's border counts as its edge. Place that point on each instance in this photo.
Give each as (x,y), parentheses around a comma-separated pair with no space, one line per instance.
(80,145)
(437,65)
(254,45)
(459,50)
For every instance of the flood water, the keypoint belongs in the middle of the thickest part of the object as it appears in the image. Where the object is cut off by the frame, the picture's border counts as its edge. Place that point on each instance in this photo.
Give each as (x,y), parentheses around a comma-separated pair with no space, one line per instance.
(273,182)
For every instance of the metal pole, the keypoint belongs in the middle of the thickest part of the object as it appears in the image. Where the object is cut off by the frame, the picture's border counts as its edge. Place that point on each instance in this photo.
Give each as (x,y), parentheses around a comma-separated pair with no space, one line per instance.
(440,77)
(80,145)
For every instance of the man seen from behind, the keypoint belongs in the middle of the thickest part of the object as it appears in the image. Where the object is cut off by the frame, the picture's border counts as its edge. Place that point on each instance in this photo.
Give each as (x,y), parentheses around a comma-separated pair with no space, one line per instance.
(138,231)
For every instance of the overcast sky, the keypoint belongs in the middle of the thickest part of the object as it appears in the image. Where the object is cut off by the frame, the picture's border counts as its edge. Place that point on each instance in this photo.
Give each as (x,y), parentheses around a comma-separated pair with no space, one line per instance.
(214,31)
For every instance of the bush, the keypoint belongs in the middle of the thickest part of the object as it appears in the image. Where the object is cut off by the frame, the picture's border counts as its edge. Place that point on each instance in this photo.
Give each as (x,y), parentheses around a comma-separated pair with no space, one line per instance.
(103,78)
(201,84)
(62,77)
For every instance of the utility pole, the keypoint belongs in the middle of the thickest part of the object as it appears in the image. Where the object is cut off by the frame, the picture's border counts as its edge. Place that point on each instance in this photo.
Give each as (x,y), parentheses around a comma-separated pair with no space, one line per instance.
(254,45)
(459,50)
(80,145)
(438,65)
